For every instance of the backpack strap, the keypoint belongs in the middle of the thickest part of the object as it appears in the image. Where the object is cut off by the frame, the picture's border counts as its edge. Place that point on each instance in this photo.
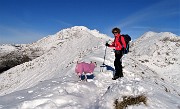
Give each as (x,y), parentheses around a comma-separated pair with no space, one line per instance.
(121,41)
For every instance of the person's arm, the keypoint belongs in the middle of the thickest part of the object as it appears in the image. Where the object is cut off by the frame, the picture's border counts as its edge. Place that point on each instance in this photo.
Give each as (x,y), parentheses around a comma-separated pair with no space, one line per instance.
(112,45)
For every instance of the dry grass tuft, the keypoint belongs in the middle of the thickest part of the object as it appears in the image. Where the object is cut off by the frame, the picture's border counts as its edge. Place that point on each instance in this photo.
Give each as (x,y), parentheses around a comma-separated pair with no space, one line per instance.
(130,101)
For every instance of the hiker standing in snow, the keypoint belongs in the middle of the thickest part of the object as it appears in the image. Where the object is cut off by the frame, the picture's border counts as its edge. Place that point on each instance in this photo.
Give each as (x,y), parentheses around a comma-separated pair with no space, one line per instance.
(119,47)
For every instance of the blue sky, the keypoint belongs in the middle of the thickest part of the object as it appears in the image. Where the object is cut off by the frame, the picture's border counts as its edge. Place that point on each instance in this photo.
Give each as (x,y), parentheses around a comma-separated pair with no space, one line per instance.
(26,21)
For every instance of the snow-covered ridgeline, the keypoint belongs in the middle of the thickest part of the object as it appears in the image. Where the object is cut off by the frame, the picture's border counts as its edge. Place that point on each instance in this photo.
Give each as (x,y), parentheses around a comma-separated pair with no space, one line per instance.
(53,41)
(76,44)
(160,52)
(45,44)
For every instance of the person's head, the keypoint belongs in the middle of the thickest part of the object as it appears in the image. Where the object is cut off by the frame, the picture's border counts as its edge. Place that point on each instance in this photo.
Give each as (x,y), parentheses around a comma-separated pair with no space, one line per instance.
(116,31)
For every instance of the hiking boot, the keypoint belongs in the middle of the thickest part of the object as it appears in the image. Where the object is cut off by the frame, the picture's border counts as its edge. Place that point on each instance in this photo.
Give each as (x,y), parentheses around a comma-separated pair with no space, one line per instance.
(115,77)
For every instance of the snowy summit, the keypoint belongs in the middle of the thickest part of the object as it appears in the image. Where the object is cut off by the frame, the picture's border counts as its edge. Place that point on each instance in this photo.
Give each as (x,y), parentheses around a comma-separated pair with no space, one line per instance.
(46,79)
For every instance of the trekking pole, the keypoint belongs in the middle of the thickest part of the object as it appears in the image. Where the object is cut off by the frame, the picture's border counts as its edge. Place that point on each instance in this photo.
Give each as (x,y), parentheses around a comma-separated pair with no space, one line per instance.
(105,52)
(104,65)
(104,56)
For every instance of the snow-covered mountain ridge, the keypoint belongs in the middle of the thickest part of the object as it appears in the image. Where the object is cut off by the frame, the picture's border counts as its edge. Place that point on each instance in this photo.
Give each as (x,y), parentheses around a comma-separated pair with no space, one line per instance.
(49,81)
(160,52)
(53,41)
(11,55)
(62,49)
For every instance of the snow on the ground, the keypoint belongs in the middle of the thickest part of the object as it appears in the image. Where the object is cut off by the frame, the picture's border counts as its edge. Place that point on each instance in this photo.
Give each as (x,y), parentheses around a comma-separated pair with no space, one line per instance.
(49,81)
(77,42)
(160,52)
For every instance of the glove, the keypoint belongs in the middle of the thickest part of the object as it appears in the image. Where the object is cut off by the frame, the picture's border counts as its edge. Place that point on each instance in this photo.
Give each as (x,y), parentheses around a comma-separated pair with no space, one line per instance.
(107,44)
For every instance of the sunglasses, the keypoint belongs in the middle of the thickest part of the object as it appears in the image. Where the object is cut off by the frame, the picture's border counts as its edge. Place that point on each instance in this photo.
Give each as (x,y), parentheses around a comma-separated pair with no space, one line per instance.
(115,32)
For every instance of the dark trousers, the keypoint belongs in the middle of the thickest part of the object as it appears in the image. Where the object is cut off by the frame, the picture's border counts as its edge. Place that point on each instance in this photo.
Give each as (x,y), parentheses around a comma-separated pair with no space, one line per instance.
(118,63)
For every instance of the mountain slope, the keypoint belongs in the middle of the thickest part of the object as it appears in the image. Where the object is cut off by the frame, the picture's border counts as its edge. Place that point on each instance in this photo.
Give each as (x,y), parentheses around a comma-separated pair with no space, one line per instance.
(59,87)
(161,53)
(62,49)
